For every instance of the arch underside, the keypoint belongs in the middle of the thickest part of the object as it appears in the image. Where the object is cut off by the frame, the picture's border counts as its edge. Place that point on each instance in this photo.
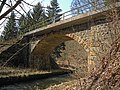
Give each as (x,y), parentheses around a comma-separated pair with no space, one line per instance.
(47,45)
(45,48)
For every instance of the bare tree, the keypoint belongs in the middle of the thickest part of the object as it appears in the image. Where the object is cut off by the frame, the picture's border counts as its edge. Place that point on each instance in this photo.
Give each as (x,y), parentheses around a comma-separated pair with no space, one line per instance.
(10,9)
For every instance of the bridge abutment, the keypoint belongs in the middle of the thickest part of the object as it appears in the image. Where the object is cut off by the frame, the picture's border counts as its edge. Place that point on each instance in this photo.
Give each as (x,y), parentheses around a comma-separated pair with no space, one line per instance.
(101,38)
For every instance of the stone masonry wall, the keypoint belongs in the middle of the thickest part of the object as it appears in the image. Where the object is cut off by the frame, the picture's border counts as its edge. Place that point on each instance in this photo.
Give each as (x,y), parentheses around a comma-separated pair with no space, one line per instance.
(97,41)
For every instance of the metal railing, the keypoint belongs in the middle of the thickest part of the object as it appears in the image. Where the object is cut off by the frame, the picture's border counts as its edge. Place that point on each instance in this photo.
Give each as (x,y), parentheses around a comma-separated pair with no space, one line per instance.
(90,6)
(71,13)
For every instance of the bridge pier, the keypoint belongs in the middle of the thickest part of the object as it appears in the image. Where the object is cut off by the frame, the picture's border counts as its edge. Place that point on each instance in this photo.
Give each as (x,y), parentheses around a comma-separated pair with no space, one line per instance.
(26,52)
(101,38)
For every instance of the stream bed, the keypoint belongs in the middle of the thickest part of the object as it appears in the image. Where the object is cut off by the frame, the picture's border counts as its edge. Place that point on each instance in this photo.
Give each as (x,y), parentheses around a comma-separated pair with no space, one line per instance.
(38,84)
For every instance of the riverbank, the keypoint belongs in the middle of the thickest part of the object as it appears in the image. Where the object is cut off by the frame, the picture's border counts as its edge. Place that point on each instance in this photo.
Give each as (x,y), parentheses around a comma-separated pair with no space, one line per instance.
(71,85)
(11,76)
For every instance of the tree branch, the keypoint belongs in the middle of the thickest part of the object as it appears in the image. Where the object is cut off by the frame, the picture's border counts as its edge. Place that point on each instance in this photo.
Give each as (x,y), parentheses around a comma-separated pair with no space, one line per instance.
(9,10)
(28,4)
(2,5)
(15,9)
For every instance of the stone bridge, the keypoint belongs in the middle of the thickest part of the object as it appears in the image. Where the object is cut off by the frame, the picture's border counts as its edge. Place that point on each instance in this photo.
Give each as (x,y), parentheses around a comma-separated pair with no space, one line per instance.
(90,30)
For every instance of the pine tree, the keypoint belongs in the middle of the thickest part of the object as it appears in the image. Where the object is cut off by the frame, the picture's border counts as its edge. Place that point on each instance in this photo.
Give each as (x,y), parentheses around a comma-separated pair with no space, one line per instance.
(10,29)
(38,13)
(53,11)
(58,50)
(25,22)
(36,16)
(22,24)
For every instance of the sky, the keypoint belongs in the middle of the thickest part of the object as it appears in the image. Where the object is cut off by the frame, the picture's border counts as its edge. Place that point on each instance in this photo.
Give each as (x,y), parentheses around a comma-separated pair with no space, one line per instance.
(63,4)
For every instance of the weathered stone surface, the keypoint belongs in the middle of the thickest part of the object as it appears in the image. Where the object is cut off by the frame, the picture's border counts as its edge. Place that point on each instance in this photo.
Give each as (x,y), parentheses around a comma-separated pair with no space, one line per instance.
(95,38)
(96,41)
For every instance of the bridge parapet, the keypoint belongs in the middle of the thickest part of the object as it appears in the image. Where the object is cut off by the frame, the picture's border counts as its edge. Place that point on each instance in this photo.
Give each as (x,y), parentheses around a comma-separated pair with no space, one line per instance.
(69,19)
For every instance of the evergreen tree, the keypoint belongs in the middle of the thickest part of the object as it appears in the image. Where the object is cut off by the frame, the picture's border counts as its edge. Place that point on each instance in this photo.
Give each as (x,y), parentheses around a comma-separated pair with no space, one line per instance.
(28,22)
(53,11)
(1,38)
(10,29)
(58,50)
(38,13)
(25,22)
(22,24)
(38,16)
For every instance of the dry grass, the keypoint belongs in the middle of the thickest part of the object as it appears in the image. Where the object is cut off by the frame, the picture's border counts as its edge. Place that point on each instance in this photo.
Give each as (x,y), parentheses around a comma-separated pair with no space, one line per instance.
(7,72)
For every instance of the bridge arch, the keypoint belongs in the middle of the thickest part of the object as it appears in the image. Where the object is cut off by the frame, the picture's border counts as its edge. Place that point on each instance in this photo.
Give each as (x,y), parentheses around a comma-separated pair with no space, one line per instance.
(44,48)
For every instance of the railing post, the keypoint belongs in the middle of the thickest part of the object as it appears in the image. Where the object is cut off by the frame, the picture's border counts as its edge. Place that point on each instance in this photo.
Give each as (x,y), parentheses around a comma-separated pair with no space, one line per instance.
(63,16)
(54,19)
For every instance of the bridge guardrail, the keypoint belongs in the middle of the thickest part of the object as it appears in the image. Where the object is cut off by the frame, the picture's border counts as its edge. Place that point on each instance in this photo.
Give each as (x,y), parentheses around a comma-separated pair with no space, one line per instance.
(76,11)
(90,6)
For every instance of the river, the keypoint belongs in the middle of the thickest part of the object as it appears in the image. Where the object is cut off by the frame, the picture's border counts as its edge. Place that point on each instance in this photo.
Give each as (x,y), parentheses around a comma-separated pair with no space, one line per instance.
(38,84)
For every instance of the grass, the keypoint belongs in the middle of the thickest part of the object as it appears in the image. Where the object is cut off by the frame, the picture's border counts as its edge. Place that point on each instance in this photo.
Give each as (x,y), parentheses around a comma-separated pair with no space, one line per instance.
(8,72)
(15,75)
(17,72)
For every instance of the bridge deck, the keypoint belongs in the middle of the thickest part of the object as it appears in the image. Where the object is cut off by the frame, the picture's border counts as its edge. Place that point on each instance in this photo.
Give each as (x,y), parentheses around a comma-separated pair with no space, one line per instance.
(82,18)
